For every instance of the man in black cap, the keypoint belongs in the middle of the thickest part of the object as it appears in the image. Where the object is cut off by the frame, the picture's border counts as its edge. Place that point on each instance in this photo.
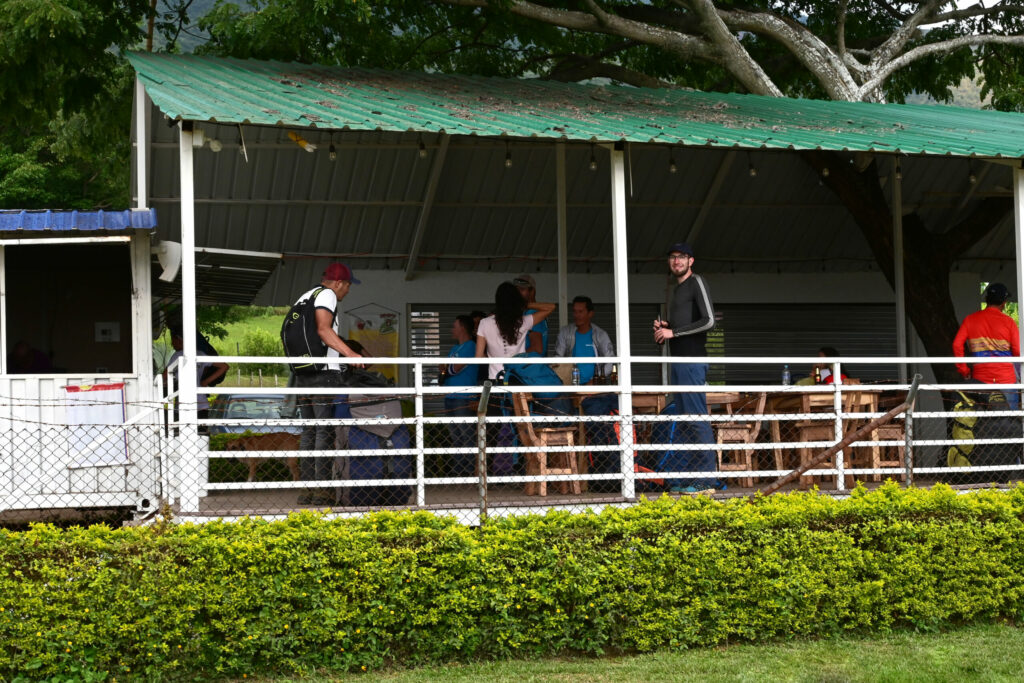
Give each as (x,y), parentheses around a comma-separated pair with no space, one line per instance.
(690,316)
(990,332)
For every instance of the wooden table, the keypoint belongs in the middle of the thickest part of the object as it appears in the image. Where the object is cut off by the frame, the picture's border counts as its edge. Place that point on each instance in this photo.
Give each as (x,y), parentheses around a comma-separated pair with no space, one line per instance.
(864,399)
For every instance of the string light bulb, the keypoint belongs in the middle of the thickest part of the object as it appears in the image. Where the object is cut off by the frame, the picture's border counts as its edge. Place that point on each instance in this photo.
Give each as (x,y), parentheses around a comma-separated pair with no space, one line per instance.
(672,168)
(508,156)
(899,172)
(423,150)
(593,161)
(751,169)
(332,153)
(824,172)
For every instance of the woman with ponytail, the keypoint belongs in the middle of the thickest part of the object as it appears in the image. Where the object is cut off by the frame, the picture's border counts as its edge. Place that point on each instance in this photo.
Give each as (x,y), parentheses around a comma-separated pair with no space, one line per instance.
(505,333)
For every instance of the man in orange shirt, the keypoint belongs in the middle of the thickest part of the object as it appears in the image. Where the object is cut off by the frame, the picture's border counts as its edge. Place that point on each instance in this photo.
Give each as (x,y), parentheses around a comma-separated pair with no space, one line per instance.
(990,332)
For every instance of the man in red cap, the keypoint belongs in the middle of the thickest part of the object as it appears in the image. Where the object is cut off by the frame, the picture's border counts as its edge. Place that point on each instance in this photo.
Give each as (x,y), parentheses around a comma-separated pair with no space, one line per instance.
(990,332)
(334,286)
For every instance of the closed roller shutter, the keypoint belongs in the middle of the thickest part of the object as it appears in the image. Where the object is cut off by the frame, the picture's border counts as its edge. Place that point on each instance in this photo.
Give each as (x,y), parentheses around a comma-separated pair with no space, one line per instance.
(800,330)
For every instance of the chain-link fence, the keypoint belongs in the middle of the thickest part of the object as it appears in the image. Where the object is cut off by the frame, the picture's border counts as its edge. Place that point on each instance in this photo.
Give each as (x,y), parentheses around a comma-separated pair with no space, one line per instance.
(477,451)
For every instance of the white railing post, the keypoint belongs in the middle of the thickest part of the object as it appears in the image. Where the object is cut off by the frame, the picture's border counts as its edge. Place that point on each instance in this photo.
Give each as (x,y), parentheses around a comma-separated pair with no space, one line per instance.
(421,484)
(837,403)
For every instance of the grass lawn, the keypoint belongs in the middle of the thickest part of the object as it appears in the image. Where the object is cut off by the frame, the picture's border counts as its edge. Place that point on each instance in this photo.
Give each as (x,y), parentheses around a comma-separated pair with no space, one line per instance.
(985,653)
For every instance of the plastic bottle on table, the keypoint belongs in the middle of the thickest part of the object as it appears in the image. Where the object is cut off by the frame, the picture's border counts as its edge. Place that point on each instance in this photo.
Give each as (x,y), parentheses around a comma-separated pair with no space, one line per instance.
(786,377)
(576,375)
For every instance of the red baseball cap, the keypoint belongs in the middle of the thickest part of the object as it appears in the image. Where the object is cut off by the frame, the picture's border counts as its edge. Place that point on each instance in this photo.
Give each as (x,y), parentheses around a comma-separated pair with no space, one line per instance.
(339,271)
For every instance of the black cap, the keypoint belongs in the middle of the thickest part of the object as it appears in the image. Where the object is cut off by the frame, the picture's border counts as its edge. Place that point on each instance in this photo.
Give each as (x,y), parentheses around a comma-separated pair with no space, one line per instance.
(996,293)
(681,247)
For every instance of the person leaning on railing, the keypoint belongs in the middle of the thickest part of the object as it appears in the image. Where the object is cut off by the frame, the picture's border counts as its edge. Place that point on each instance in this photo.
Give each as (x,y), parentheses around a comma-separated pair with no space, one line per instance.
(990,332)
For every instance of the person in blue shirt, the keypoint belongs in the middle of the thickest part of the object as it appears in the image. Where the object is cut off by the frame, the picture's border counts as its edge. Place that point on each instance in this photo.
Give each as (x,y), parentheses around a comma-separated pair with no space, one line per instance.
(584,339)
(462,404)
(538,339)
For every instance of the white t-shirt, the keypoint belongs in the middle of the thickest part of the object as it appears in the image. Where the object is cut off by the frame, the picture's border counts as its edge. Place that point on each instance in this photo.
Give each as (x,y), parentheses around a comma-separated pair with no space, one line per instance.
(202,400)
(328,301)
(496,346)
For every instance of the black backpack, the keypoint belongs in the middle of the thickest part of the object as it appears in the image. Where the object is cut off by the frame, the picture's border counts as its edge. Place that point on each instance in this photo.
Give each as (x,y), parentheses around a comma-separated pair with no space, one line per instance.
(205,348)
(299,335)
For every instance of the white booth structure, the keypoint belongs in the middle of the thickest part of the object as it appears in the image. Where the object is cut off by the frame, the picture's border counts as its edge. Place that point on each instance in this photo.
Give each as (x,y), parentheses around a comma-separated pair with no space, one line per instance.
(76,372)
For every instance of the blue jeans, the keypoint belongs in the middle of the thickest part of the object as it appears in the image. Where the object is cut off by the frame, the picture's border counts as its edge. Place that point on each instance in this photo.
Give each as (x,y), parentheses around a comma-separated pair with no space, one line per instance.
(694,374)
(463,435)
(1012,399)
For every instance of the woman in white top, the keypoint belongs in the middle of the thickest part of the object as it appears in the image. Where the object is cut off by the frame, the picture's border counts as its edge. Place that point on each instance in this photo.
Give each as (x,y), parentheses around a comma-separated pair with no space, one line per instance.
(505,333)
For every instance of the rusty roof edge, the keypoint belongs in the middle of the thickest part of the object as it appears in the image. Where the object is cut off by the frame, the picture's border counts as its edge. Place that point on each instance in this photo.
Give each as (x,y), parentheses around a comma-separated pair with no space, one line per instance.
(402,101)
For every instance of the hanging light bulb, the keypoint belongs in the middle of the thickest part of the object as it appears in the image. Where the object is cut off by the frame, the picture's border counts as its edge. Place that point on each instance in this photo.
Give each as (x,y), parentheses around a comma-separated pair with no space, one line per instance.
(332,153)
(899,172)
(752,170)
(672,168)
(824,172)
(508,157)
(215,145)
(423,150)
(593,161)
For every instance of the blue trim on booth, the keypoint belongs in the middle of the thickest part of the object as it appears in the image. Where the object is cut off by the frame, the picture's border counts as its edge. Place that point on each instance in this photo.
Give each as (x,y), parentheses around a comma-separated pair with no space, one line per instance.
(80,221)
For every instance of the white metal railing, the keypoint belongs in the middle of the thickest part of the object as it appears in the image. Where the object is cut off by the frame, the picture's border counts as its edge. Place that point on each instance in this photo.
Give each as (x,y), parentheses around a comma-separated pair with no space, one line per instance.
(921,451)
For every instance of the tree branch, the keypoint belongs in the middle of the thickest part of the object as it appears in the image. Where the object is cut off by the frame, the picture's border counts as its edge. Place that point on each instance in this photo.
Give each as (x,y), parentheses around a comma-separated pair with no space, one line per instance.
(932,48)
(967,232)
(807,48)
(687,46)
(732,55)
(841,30)
(901,36)
(978,10)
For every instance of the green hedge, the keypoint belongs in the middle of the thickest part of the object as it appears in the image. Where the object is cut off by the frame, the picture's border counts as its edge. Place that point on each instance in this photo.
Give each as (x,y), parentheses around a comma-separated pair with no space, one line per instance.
(251,597)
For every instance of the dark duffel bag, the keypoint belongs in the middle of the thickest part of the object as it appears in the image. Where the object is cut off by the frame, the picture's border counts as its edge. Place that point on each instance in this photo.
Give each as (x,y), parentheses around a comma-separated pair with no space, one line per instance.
(380,467)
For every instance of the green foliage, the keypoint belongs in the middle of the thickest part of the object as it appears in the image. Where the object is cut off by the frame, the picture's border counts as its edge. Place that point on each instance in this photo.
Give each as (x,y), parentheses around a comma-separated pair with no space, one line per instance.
(219,600)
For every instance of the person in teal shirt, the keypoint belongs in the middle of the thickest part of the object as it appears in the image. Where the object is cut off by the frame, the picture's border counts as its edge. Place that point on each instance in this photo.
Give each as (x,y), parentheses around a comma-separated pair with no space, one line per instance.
(462,404)
(585,339)
(538,340)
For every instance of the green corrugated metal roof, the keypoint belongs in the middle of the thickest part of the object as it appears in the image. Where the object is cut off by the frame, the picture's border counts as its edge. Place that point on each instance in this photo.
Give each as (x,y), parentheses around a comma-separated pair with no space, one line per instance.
(299,95)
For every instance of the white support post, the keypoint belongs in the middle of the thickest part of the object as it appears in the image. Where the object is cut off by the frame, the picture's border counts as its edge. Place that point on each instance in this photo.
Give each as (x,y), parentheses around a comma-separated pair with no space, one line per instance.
(837,405)
(621,272)
(898,273)
(193,459)
(1018,232)
(563,242)
(3,310)
(421,482)
(141,152)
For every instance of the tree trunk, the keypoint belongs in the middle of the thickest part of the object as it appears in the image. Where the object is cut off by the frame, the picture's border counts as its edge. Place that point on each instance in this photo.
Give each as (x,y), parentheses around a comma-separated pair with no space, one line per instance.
(927,257)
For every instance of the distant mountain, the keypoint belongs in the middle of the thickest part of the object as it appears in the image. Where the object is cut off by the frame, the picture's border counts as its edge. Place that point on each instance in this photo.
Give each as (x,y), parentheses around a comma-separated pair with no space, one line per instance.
(967,95)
